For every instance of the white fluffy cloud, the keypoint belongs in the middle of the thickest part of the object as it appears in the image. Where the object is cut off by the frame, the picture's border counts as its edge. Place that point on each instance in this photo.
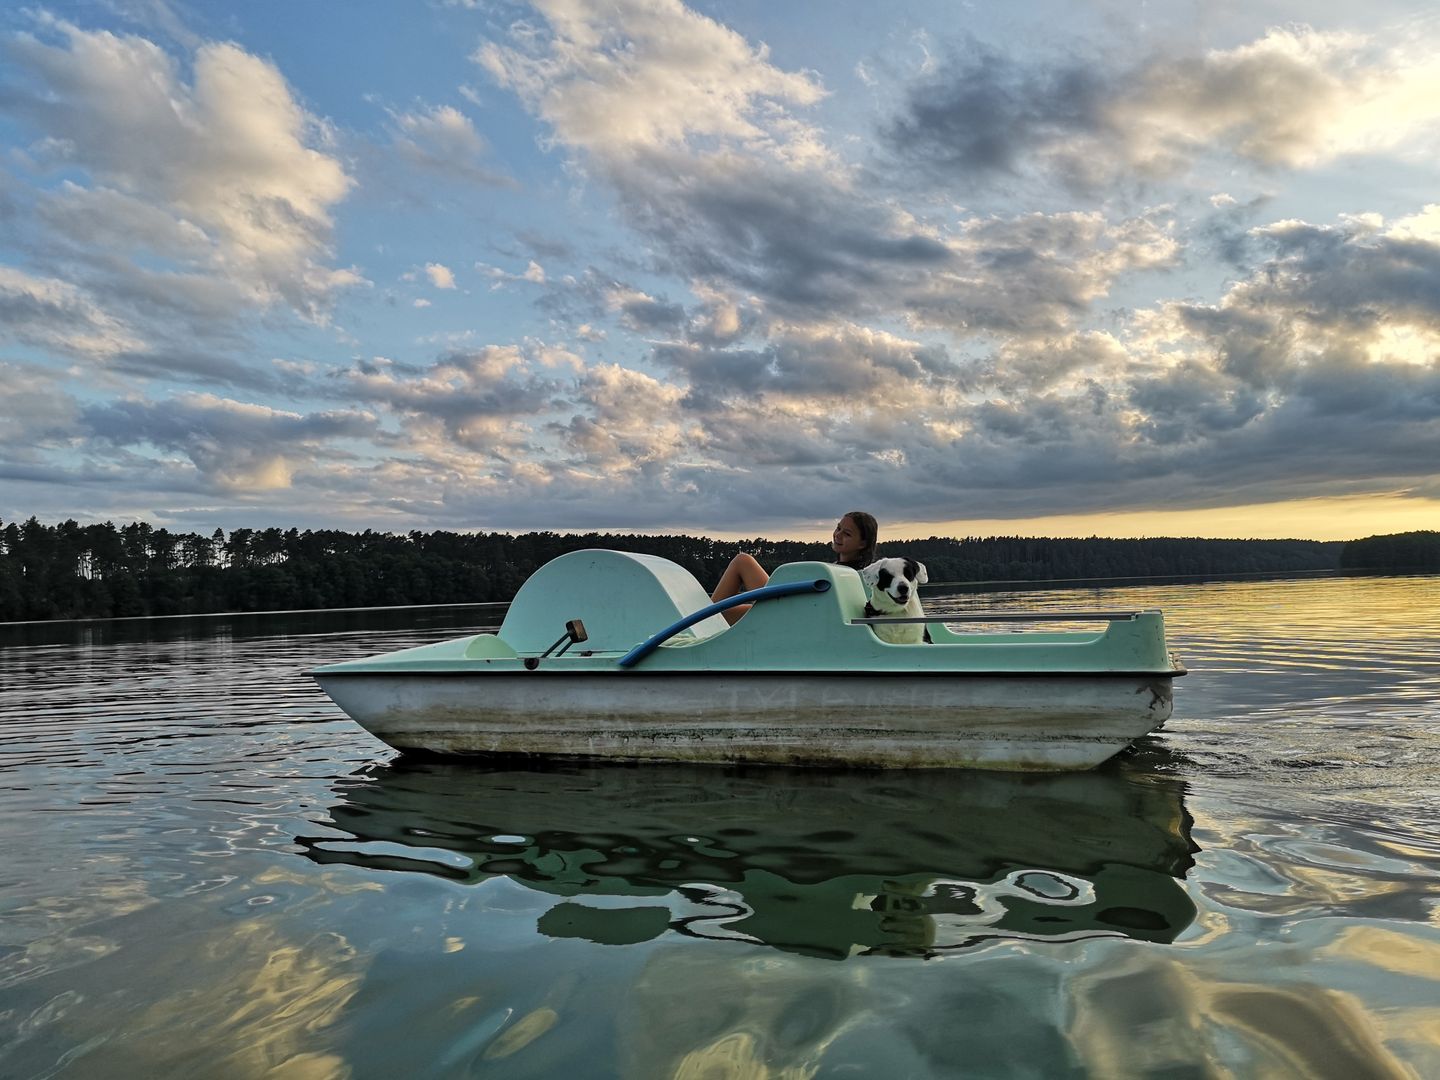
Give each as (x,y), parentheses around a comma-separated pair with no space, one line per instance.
(440,275)
(1293,97)
(223,176)
(638,74)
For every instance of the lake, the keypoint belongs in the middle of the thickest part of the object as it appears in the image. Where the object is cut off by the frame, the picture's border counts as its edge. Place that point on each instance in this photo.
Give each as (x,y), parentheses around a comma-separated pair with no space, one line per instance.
(208,871)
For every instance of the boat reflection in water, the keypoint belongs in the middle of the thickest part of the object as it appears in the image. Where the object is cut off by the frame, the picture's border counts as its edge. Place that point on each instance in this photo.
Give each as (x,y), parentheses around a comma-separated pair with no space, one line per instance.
(819,862)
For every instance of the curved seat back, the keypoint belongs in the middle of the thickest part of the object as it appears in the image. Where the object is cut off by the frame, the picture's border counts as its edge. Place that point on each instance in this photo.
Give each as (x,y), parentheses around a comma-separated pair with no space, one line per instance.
(622,598)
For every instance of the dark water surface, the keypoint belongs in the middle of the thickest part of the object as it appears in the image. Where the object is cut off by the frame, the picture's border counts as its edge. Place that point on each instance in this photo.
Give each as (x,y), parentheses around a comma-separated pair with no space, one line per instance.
(208,871)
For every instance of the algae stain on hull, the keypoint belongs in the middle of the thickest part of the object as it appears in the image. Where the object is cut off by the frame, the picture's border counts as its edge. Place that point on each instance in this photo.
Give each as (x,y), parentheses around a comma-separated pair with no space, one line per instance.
(1022,741)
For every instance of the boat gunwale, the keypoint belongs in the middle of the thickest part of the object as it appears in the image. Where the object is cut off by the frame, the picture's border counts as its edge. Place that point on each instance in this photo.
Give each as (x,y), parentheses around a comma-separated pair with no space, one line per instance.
(731,673)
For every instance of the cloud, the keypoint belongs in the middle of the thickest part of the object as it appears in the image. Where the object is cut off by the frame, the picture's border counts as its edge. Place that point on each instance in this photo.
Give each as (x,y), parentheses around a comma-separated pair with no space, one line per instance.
(788,315)
(209,197)
(849,366)
(442,141)
(643,313)
(742,198)
(440,275)
(235,446)
(1021,366)
(39,413)
(986,113)
(479,400)
(52,314)
(1292,98)
(533,274)
(720,318)
(647,74)
(627,422)
(1358,290)
(1318,371)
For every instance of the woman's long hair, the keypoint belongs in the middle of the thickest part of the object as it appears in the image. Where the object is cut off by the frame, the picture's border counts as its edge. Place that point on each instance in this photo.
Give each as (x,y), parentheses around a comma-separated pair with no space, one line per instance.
(869,531)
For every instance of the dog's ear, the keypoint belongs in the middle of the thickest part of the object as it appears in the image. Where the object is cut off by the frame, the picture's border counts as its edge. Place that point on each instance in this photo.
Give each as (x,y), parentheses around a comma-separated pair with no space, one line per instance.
(871,573)
(921,577)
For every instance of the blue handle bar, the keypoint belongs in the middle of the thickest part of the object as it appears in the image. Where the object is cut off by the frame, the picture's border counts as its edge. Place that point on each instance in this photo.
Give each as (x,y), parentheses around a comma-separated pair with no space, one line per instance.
(765,592)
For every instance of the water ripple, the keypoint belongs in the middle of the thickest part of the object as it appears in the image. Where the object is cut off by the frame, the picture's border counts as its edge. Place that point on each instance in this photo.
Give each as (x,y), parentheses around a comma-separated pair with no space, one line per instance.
(209,870)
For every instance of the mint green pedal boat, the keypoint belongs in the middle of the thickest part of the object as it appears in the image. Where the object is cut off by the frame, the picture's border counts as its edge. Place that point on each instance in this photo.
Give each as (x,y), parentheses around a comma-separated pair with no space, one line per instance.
(609,654)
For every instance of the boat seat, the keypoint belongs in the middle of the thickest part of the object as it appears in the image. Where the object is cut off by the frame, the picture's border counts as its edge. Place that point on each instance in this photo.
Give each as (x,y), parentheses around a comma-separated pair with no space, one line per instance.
(621,596)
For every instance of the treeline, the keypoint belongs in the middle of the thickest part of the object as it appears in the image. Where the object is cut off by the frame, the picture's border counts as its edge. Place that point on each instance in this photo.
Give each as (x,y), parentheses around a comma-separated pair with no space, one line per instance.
(99,571)
(1396,551)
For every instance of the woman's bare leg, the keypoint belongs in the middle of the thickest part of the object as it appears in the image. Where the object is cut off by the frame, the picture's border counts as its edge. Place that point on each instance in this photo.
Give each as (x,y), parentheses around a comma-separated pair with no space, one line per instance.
(742,575)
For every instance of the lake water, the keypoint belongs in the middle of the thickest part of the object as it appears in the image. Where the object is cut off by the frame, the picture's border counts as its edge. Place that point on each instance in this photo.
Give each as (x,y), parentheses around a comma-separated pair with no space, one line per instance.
(209,872)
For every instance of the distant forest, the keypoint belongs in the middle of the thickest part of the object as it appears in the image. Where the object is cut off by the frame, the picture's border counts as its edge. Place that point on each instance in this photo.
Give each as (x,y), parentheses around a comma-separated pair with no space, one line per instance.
(1404,551)
(100,571)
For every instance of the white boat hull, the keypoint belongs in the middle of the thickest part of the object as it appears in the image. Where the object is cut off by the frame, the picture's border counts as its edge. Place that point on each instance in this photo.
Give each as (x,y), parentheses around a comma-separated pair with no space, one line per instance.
(858,719)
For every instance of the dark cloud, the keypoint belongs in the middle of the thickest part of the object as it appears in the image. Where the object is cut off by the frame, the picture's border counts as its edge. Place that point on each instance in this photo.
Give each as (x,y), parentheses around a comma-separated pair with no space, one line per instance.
(200,366)
(984,113)
(813,365)
(595,296)
(1226,232)
(1351,275)
(795,238)
(1193,402)
(39,412)
(176,422)
(714,374)
(459,386)
(1291,98)
(810,247)
(233,445)
(1324,291)
(646,315)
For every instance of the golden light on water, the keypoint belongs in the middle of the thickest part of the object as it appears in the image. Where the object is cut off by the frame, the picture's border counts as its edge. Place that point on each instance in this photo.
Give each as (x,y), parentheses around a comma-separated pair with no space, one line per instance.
(1304,519)
(1339,518)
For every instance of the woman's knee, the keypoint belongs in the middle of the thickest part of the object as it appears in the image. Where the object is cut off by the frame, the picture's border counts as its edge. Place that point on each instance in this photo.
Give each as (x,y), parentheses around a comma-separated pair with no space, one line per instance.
(751,572)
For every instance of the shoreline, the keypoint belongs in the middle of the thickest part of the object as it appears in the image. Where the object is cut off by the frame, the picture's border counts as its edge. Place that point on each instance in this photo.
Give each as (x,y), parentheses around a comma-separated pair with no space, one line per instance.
(932,589)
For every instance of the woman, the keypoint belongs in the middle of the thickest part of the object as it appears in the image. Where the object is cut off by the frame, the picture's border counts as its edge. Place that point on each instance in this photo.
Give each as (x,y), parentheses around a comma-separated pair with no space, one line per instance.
(853,542)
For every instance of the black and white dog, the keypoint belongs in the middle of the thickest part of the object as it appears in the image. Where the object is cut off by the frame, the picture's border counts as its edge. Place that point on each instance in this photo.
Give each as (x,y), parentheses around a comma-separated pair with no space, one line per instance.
(895,591)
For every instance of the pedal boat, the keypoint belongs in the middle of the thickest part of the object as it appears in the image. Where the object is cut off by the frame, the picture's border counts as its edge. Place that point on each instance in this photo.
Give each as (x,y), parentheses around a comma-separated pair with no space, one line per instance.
(609,654)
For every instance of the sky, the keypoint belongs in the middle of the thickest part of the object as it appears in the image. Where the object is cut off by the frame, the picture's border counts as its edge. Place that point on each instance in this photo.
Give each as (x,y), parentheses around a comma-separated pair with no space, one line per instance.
(730,268)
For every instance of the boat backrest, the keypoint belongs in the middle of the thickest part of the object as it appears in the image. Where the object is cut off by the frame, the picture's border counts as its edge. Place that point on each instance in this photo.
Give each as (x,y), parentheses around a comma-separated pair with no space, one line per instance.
(622,597)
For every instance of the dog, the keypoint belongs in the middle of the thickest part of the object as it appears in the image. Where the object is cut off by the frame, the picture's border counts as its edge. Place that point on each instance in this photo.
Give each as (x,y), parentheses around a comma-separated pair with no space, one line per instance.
(895,591)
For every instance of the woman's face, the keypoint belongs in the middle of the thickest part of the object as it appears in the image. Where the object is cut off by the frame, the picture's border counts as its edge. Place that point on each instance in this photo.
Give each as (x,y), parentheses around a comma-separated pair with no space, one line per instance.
(845,541)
